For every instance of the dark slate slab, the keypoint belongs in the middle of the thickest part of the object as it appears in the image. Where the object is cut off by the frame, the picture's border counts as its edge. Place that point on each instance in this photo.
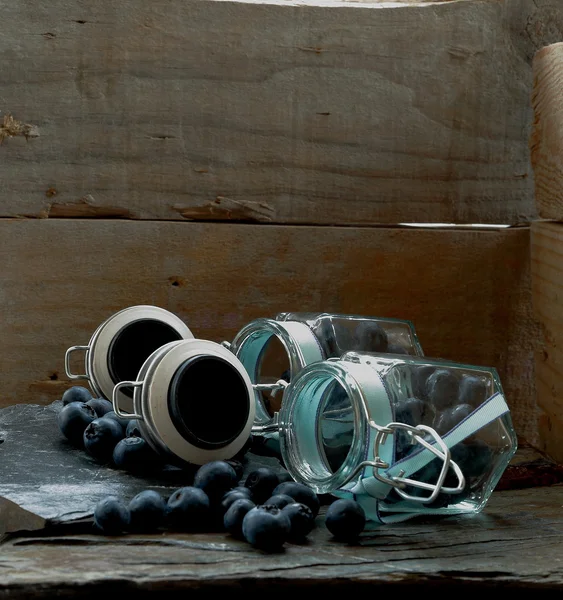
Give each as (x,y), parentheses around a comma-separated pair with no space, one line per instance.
(45,475)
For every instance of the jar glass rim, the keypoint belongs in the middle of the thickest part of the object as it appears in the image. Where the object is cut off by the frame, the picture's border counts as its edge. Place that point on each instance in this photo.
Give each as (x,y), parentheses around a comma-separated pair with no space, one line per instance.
(299,425)
(251,342)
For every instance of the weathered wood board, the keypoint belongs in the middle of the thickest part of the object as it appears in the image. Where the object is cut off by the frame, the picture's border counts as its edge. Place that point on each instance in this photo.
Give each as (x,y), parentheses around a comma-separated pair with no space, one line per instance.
(547,291)
(514,546)
(280,112)
(467,291)
(546,143)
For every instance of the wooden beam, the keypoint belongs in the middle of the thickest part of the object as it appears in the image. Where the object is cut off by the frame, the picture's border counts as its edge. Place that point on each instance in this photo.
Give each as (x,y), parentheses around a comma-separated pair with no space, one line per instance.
(546,143)
(467,292)
(278,112)
(547,291)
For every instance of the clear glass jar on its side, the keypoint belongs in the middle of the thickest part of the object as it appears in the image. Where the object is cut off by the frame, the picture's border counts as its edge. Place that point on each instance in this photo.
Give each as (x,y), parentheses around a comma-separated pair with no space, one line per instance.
(275,350)
(120,345)
(369,426)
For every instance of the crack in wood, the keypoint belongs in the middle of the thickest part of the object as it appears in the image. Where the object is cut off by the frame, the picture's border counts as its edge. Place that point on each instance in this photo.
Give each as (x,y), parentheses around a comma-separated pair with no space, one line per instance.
(229,209)
(85,207)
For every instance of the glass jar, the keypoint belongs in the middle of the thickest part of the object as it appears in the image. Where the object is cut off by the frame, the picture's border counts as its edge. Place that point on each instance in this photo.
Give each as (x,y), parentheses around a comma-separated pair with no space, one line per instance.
(401,435)
(177,411)
(121,344)
(305,338)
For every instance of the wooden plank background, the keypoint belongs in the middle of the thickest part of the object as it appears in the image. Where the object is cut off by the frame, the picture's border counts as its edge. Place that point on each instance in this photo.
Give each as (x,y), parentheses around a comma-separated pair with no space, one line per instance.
(466,291)
(285,112)
(547,291)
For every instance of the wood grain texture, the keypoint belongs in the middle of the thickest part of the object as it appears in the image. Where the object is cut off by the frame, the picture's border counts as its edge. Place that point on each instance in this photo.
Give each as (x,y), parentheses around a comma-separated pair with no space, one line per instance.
(546,142)
(513,545)
(547,291)
(467,292)
(279,112)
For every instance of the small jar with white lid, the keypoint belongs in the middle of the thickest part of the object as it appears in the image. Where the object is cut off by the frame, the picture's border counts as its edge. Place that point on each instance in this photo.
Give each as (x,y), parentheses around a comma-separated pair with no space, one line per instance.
(401,435)
(176,410)
(305,338)
(120,345)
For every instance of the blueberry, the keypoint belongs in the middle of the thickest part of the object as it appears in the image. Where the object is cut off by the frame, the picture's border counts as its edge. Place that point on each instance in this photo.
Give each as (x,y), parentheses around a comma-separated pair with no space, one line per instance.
(135,455)
(284,476)
(101,406)
(148,511)
(371,337)
(396,349)
(345,519)
(73,420)
(451,417)
(189,509)
(301,519)
(473,390)
(123,422)
(461,454)
(133,429)
(76,393)
(101,437)
(479,460)
(238,493)
(215,478)
(419,379)
(430,474)
(300,493)
(262,482)
(235,514)
(442,388)
(237,466)
(279,500)
(266,527)
(111,516)
(410,411)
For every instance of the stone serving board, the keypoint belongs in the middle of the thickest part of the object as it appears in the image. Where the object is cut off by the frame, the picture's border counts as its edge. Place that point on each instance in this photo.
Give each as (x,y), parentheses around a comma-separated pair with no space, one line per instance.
(44,480)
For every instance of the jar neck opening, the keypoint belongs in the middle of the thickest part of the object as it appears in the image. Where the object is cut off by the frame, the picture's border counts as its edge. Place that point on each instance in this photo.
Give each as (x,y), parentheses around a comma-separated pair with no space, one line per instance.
(251,345)
(324,432)
(133,344)
(208,402)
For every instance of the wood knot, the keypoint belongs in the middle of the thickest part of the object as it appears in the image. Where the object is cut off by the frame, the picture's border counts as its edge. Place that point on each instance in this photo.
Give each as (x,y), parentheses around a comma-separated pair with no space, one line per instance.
(11,128)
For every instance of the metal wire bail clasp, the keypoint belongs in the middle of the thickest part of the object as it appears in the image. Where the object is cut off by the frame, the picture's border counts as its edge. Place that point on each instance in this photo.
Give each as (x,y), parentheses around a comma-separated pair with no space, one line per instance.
(418,435)
(280,384)
(273,426)
(115,400)
(68,370)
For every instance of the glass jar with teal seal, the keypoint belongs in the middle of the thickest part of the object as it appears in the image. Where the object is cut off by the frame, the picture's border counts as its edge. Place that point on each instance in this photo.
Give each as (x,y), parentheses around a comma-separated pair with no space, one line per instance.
(402,435)
(274,351)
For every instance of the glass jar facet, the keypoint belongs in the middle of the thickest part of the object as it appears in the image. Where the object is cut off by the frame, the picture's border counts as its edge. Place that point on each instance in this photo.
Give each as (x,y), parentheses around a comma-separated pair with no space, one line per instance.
(338,334)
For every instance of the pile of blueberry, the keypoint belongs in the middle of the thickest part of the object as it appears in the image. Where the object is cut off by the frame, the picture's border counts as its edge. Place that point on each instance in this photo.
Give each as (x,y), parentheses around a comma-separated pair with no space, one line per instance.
(92,424)
(267,511)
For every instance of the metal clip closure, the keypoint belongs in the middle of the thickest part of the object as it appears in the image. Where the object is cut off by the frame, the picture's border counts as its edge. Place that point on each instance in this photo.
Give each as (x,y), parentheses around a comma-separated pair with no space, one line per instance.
(439,449)
(272,387)
(418,434)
